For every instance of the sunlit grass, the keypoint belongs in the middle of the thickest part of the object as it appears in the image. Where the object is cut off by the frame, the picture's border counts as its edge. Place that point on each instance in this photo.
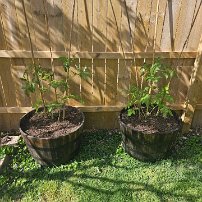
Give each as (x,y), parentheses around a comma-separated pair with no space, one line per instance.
(102,171)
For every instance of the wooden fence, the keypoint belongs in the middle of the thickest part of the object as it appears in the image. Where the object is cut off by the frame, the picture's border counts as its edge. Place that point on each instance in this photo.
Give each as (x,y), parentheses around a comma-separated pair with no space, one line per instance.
(104,36)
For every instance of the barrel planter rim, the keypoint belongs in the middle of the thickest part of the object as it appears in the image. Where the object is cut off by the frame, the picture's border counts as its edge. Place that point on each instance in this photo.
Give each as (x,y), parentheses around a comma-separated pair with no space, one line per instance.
(177,117)
(24,117)
(51,150)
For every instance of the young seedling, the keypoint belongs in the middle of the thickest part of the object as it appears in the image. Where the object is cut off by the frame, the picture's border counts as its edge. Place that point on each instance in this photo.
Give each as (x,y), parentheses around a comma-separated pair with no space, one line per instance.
(37,79)
(153,98)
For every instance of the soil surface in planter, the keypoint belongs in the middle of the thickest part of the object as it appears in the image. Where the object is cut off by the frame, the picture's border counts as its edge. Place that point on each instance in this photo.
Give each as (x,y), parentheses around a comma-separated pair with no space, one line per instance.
(43,125)
(152,124)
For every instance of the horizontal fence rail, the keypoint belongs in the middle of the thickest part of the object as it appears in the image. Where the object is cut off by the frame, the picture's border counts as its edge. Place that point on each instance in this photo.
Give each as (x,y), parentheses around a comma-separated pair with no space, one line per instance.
(96,55)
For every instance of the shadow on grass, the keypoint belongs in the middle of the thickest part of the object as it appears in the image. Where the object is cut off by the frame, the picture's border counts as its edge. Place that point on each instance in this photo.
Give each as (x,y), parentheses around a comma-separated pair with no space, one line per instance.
(126,185)
(99,145)
(102,149)
(99,150)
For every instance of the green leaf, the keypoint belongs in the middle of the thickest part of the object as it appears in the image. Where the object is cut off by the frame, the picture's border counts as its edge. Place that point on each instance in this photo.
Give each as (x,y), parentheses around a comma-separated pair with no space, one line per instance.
(44,89)
(131,112)
(29,87)
(66,62)
(82,72)
(145,98)
(61,84)
(23,79)
(37,105)
(53,105)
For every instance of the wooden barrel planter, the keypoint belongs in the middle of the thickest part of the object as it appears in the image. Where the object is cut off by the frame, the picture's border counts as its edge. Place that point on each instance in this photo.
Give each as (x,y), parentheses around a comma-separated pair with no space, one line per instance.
(51,151)
(148,147)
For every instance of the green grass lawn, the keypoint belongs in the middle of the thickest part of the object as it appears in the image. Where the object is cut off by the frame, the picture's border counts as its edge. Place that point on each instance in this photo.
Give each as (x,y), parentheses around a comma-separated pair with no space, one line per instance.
(103,172)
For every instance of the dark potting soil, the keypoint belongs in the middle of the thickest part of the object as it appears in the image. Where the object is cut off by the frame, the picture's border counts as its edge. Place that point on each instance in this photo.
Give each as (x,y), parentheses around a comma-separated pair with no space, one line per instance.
(152,124)
(43,125)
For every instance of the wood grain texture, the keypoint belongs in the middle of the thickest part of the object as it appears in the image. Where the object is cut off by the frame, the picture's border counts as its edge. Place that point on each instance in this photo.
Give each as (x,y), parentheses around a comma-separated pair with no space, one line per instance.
(95,55)
(113,43)
(111,82)
(21,24)
(95,108)
(181,31)
(86,84)
(37,14)
(95,43)
(194,92)
(170,25)
(10,24)
(142,23)
(2,35)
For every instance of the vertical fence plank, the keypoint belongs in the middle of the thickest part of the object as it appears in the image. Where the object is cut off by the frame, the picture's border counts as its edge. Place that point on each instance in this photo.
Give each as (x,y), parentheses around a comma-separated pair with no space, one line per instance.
(142,24)
(162,12)
(86,84)
(67,9)
(75,82)
(183,68)
(18,68)
(2,35)
(38,13)
(73,20)
(153,17)
(194,92)
(85,15)
(99,25)
(7,82)
(22,25)
(12,41)
(100,12)
(8,88)
(124,81)
(170,25)
(32,26)
(18,65)
(84,23)
(196,31)
(139,63)
(113,44)
(55,18)
(99,82)
(4,118)
(124,28)
(123,77)
(186,14)
(10,24)
(111,81)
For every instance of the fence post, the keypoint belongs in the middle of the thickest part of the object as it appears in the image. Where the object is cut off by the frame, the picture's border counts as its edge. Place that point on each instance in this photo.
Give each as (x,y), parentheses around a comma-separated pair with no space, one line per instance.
(194,91)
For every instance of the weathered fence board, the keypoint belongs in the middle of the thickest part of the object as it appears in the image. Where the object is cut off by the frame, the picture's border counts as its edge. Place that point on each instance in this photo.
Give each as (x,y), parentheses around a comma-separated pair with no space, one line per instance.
(98,34)
(194,92)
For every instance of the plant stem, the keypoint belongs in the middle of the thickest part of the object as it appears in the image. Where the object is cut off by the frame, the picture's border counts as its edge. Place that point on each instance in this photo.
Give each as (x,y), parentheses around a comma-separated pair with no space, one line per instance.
(149,100)
(40,86)
(63,113)
(59,115)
